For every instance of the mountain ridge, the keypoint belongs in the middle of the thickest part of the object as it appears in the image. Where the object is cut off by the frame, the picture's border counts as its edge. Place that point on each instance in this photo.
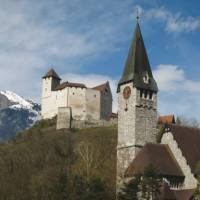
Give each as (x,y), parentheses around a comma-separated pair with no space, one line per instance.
(16,114)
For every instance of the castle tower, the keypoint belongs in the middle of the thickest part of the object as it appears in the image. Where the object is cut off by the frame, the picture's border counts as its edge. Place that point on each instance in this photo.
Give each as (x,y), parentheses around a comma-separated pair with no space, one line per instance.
(137,104)
(49,82)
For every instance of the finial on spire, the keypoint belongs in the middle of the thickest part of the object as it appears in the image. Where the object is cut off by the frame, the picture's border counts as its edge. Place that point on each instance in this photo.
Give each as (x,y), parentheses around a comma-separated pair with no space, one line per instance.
(137,15)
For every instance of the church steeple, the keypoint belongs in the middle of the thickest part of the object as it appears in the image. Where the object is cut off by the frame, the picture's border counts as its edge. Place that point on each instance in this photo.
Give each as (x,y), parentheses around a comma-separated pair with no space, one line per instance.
(137,68)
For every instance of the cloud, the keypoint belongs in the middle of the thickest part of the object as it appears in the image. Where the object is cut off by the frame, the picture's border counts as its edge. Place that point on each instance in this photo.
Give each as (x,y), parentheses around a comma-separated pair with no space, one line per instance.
(177,94)
(169,77)
(174,22)
(92,80)
(35,35)
(172,78)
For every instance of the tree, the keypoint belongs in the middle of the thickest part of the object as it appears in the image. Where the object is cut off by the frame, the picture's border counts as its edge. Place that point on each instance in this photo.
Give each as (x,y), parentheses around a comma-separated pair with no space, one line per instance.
(92,189)
(150,183)
(145,185)
(190,122)
(131,189)
(90,158)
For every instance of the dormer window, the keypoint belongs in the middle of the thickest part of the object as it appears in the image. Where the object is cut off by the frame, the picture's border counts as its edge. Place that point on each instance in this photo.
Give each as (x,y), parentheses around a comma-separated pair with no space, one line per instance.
(146,78)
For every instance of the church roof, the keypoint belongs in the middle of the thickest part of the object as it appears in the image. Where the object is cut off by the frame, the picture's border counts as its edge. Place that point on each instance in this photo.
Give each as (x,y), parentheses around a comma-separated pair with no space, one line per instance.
(137,65)
(68,84)
(101,87)
(161,157)
(188,140)
(184,194)
(51,73)
(167,119)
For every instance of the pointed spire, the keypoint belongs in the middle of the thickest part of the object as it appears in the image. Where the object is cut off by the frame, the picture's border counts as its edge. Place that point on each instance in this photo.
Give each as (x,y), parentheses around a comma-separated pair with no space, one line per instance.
(137,66)
(51,73)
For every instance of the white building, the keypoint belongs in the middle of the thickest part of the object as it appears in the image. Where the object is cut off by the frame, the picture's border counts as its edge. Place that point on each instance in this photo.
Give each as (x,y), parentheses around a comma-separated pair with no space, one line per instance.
(85,103)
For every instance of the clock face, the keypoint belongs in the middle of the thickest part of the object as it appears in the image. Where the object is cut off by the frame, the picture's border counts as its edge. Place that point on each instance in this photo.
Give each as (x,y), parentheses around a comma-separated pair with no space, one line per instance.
(127,92)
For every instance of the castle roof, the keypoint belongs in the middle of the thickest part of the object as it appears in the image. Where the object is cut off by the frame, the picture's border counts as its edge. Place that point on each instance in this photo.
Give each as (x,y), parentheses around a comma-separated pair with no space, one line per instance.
(167,119)
(161,157)
(51,73)
(101,87)
(68,84)
(137,65)
(188,140)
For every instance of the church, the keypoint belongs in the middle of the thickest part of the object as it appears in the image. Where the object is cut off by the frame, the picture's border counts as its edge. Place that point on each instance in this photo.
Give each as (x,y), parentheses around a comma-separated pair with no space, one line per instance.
(84,103)
(177,154)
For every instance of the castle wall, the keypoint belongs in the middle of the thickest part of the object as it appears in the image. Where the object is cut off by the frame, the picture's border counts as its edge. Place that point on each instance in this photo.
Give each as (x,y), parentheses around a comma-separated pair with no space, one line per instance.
(106,104)
(76,98)
(85,103)
(93,104)
(190,182)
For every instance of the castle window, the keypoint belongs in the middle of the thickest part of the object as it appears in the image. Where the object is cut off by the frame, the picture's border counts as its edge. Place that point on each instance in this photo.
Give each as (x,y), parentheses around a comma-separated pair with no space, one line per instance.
(73,93)
(95,95)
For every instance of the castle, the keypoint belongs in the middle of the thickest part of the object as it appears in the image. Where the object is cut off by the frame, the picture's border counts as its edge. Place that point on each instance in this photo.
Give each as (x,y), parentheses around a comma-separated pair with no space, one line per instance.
(177,154)
(84,103)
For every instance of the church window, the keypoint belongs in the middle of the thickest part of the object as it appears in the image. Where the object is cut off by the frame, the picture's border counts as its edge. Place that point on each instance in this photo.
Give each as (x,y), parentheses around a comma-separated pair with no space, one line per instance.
(151,95)
(145,94)
(141,93)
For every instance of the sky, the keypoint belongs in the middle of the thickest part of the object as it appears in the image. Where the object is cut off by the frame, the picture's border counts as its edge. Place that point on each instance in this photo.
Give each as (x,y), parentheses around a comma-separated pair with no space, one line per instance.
(88,41)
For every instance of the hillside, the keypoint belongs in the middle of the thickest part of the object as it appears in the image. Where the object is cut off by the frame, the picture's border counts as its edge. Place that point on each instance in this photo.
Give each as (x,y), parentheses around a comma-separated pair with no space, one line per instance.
(34,163)
(16,114)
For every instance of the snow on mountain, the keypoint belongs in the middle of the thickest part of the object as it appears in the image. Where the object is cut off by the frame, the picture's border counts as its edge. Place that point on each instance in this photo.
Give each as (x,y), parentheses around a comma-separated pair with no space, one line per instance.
(16,114)
(19,102)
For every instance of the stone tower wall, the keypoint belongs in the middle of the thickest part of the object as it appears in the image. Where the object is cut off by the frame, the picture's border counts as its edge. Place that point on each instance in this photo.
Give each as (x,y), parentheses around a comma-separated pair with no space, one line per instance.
(136,126)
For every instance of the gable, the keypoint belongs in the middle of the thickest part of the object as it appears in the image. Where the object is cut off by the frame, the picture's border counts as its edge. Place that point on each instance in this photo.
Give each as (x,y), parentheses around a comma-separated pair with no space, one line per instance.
(188,140)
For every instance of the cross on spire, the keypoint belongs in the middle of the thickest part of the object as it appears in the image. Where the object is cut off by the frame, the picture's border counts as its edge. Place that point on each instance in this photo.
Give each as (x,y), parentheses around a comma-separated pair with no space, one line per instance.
(137,15)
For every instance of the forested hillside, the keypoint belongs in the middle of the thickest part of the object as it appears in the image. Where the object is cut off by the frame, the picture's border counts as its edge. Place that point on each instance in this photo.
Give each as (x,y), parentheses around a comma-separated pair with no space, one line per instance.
(44,164)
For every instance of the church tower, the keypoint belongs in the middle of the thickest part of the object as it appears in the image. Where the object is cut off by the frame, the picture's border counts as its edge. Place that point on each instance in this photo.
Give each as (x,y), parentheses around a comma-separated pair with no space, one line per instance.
(137,104)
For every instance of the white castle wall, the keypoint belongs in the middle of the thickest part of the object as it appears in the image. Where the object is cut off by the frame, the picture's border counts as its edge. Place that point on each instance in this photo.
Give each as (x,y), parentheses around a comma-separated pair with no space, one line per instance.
(190,182)
(86,104)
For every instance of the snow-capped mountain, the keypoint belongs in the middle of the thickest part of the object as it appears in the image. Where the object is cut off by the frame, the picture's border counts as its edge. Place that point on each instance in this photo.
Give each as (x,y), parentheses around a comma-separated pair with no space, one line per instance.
(16,114)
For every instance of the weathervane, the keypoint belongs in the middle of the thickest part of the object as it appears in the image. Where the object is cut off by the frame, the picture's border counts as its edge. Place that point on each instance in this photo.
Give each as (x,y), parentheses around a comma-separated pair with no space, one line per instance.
(137,15)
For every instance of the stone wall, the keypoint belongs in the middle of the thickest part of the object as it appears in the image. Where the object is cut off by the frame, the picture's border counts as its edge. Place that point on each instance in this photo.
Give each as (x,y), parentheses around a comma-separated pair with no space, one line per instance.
(106,103)
(64,118)
(190,182)
(137,119)
(86,103)
(64,121)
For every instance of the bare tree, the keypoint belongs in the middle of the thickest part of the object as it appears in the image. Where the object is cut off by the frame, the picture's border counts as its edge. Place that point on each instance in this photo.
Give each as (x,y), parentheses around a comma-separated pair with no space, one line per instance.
(190,122)
(90,157)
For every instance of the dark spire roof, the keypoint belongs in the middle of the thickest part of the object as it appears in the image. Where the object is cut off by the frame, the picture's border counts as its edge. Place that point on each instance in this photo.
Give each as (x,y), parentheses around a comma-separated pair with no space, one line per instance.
(51,73)
(137,65)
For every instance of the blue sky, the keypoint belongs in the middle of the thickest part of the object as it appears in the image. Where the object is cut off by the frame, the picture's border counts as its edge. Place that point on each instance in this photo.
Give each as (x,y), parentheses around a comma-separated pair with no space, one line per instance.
(88,41)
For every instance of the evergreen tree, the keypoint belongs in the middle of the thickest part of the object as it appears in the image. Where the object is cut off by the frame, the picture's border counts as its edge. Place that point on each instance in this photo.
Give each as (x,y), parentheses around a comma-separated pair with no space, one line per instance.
(150,183)
(130,189)
(145,185)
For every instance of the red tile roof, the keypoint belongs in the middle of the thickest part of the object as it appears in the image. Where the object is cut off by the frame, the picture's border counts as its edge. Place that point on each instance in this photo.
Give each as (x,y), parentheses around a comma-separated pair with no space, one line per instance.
(167,119)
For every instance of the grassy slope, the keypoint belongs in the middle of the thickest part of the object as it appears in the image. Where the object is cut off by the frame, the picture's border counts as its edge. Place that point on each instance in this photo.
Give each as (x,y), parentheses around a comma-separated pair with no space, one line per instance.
(35,159)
